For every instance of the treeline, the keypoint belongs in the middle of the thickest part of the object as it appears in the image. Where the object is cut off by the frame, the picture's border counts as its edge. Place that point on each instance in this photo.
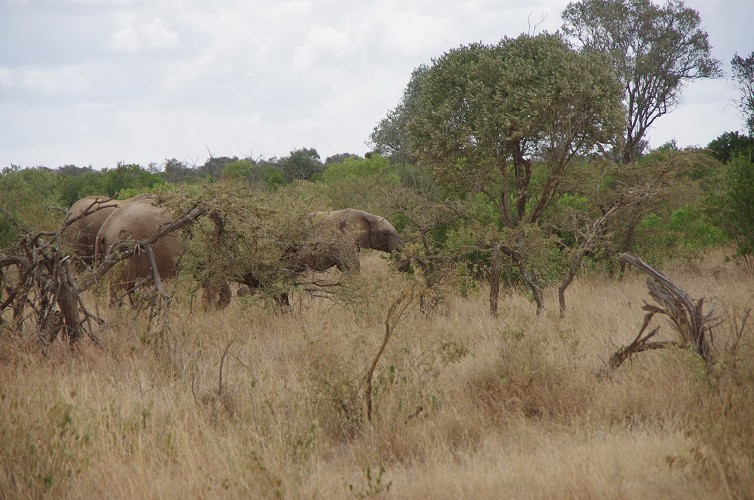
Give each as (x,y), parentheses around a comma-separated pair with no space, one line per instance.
(37,197)
(703,200)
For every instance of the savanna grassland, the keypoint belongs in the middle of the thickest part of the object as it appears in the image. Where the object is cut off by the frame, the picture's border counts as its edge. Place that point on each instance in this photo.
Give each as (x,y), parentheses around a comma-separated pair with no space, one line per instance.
(251,403)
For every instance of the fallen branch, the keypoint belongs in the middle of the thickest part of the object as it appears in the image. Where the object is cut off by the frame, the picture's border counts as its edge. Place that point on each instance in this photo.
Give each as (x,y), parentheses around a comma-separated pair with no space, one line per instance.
(686,316)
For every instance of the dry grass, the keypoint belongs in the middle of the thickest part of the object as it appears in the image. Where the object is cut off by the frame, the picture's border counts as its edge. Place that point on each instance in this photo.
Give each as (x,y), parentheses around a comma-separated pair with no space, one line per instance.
(465,406)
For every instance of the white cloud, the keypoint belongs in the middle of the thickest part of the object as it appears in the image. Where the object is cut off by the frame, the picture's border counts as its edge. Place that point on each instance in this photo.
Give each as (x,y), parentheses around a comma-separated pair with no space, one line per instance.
(64,79)
(5,78)
(134,36)
(321,43)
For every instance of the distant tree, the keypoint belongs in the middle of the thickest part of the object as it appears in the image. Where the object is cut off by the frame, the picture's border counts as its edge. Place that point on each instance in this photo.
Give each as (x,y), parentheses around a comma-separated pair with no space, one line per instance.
(177,172)
(731,144)
(734,207)
(238,170)
(28,201)
(301,164)
(654,51)
(129,177)
(358,183)
(743,74)
(73,187)
(270,176)
(339,158)
(213,167)
(73,170)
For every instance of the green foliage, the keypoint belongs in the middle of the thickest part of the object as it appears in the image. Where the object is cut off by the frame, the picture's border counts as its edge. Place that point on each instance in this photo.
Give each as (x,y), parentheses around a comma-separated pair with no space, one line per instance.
(684,233)
(743,74)
(129,176)
(731,144)
(239,170)
(654,50)
(272,177)
(301,164)
(361,183)
(29,201)
(352,167)
(484,113)
(736,208)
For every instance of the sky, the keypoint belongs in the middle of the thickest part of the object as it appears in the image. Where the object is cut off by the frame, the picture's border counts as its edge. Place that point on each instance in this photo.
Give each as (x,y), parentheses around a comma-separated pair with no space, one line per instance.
(101,82)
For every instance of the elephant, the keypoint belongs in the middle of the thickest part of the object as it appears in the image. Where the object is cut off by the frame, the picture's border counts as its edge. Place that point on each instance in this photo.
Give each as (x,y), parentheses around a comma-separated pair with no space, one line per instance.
(354,229)
(334,239)
(370,230)
(138,220)
(81,235)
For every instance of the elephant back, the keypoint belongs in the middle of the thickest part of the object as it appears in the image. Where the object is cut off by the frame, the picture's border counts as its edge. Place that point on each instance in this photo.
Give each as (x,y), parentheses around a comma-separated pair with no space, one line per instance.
(81,235)
(352,220)
(139,220)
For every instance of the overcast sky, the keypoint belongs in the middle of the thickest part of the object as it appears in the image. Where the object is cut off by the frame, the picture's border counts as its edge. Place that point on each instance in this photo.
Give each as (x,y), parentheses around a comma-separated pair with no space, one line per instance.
(97,82)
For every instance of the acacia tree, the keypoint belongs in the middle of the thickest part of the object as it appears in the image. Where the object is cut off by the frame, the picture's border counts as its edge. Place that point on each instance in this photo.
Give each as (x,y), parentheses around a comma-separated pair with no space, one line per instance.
(743,74)
(654,51)
(481,116)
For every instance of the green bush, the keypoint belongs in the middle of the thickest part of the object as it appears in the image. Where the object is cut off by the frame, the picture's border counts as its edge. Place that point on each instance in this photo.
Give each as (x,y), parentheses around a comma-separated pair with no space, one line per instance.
(738,201)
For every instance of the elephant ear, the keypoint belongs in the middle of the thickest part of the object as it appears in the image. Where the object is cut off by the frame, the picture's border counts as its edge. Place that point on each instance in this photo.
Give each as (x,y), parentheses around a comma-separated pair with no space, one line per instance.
(359,223)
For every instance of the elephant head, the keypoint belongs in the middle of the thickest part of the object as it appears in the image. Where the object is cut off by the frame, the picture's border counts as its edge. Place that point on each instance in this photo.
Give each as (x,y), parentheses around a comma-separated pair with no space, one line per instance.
(371,231)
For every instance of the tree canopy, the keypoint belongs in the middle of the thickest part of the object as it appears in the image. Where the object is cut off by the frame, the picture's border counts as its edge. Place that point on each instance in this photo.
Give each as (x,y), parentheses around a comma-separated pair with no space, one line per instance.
(743,74)
(654,50)
(483,113)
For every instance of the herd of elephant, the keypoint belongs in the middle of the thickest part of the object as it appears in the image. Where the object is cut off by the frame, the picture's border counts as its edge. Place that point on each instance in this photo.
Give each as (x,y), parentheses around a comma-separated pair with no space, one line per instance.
(103,223)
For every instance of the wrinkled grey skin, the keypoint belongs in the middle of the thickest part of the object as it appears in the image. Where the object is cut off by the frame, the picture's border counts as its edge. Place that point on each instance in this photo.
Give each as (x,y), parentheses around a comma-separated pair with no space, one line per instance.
(138,220)
(81,236)
(370,230)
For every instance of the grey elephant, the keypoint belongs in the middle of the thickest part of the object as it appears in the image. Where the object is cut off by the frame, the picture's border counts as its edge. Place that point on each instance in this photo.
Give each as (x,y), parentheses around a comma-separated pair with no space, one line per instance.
(81,235)
(354,229)
(369,230)
(138,220)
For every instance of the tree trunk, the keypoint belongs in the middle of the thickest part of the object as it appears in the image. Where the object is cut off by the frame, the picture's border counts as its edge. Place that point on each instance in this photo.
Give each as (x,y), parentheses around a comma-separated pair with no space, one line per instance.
(530,279)
(495,280)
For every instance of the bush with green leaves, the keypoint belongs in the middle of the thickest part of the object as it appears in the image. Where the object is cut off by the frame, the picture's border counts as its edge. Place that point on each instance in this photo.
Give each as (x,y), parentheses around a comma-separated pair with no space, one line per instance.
(29,201)
(733,208)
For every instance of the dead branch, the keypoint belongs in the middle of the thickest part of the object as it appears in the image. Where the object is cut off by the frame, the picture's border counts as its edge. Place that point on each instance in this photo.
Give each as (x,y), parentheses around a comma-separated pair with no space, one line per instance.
(686,316)
(394,314)
(45,287)
(128,248)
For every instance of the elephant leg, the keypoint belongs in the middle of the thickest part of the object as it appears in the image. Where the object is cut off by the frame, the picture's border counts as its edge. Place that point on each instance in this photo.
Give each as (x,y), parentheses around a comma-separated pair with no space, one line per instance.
(216,296)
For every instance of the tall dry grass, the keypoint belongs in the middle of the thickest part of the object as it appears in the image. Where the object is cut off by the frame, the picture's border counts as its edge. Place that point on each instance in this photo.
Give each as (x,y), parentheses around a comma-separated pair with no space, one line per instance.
(249,403)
